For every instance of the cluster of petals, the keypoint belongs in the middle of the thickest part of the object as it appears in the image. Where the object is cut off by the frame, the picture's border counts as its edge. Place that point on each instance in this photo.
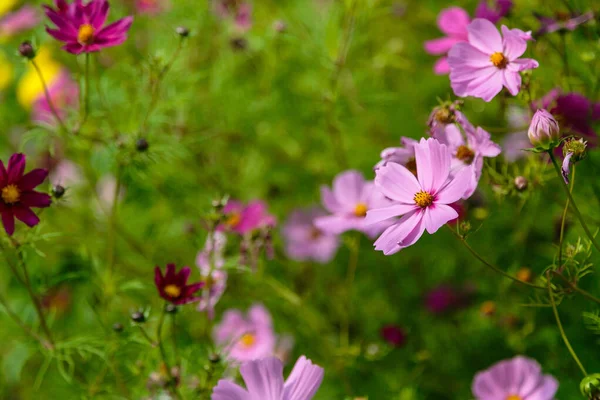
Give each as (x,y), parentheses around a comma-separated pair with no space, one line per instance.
(489,61)
(210,262)
(237,11)
(422,201)
(173,286)
(243,219)
(493,10)
(304,241)
(404,155)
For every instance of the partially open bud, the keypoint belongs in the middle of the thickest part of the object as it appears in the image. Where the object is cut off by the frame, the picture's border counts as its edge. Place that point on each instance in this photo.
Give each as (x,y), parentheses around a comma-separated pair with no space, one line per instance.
(26,50)
(590,386)
(544,132)
(521,183)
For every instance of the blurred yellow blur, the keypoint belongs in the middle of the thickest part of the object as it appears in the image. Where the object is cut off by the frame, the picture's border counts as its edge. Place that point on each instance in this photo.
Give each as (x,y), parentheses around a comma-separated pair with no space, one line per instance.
(6,6)
(30,87)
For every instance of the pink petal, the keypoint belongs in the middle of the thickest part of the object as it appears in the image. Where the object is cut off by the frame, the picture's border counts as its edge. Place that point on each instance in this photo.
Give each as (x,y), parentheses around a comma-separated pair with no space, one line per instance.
(466,55)
(381,214)
(227,390)
(453,21)
(522,64)
(485,386)
(440,46)
(16,167)
(397,183)
(330,202)
(8,220)
(264,378)
(546,390)
(484,36)
(73,48)
(304,380)
(3,175)
(347,188)
(455,189)
(514,45)
(441,66)
(390,240)
(433,164)
(437,215)
(512,81)
(260,317)
(32,179)
(25,215)
(98,18)
(61,35)
(35,199)
(337,224)
(118,28)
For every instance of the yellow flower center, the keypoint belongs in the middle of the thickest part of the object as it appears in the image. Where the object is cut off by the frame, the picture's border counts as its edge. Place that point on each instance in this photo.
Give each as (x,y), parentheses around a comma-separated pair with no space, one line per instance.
(360,210)
(411,165)
(86,34)
(233,219)
(248,340)
(514,397)
(499,60)
(465,154)
(423,199)
(11,194)
(172,291)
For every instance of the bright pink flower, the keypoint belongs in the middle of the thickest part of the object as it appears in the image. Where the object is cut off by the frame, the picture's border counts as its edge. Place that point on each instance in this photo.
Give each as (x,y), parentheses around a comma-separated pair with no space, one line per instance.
(349,202)
(264,381)
(64,94)
(400,155)
(25,18)
(82,27)
(238,11)
(17,194)
(488,62)
(422,201)
(243,219)
(453,22)
(173,286)
(304,241)
(516,378)
(246,338)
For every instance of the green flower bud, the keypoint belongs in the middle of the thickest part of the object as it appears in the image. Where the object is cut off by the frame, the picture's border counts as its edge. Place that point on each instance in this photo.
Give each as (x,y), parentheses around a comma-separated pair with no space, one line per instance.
(590,386)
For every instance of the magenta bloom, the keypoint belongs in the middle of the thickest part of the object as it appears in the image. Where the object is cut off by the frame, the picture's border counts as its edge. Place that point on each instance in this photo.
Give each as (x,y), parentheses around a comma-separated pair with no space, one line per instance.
(243,219)
(493,10)
(25,18)
(82,27)
(349,202)
(488,62)
(423,201)
(173,285)
(64,93)
(518,378)
(264,381)
(453,22)
(400,155)
(304,241)
(18,196)
(238,11)
(210,261)
(246,338)
(394,335)
(562,22)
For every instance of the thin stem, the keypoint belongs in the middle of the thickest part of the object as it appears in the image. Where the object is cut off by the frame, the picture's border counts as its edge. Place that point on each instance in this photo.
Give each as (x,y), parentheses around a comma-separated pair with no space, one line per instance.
(573,205)
(87,87)
(112,220)
(18,320)
(174,338)
(47,95)
(354,248)
(564,218)
(146,336)
(163,354)
(576,288)
(34,299)
(560,327)
(11,266)
(487,264)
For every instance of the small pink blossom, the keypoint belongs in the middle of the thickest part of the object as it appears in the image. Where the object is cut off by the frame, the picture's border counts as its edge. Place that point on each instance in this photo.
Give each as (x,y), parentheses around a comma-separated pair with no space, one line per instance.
(423,201)
(453,22)
(25,18)
(243,219)
(64,94)
(304,241)
(404,155)
(237,11)
(488,62)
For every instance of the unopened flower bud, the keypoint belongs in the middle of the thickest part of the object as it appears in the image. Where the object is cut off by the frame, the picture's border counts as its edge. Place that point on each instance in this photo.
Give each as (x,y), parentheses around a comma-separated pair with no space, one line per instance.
(117,327)
(58,191)
(141,145)
(590,386)
(138,317)
(544,131)
(214,358)
(521,183)
(26,50)
(171,309)
(182,31)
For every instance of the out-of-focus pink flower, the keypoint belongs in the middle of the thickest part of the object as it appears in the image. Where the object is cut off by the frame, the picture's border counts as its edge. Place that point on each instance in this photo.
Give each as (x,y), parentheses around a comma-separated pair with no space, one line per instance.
(562,22)
(423,201)
(66,173)
(283,348)
(105,188)
(349,201)
(237,11)
(210,261)
(516,378)
(488,62)
(304,241)
(82,27)
(64,94)
(493,10)
(394,335)
(514,143)
(441,299)
(243,219)
(404,155)
(246,338)
(25,18)
(453,22)
(152,7)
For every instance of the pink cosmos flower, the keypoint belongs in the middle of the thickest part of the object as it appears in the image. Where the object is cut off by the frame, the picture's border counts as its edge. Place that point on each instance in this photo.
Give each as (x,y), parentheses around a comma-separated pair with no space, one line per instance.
(453,22)
(25,18)
(246,338)
(82,27)
(17,194)
(243,219)
(349,202)
(304,241)
(64,94)
(488,62)
(493,10)
(423,201)
(264,381)
(66,173)
(400,155)
(238,11)
(210,261)
(517,378)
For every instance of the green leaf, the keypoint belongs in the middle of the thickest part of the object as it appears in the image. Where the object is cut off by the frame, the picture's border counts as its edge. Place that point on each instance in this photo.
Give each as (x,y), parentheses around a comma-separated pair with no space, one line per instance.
(14,361)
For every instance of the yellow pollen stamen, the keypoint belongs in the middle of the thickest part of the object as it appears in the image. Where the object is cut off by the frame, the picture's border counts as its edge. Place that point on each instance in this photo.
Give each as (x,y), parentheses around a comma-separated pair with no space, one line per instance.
(411,165)
(11,194)
(233,220)
(360,210)
(248,340)
(423,199)
(445,116)
(172,291)
(86,34)
(465,154)
(499,60)
(514,397)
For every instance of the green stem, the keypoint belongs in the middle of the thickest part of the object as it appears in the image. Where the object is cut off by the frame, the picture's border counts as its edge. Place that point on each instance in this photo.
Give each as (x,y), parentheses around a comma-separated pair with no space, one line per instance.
(560,327)
(354,248)
(576,288)
(172,383)
(112,220)
(573,205)
(48,98)
(487,264)
(18,320)
(562,222)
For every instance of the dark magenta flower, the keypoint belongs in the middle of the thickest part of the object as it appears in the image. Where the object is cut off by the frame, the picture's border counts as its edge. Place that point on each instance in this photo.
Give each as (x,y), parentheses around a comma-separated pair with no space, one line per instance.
(493,10)
(18,196)
(82,27)
(441,299)
(394,335)
(173,285)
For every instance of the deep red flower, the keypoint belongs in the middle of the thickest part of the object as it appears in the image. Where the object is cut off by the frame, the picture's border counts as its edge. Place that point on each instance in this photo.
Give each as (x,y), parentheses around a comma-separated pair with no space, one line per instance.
(173,285)
(394,335)
(17,194)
